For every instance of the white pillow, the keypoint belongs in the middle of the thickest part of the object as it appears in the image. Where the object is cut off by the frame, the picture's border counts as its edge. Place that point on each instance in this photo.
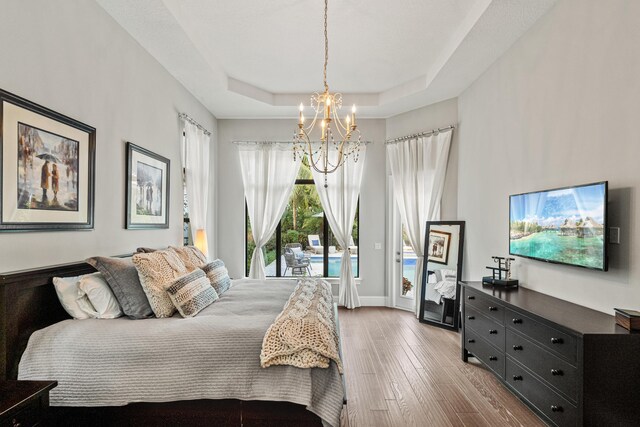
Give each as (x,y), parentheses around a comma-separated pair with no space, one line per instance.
(103,303)
(67,290)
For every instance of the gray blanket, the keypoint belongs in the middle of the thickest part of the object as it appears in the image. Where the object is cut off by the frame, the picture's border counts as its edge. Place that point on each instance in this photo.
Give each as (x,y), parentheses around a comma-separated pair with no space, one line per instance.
(215,355)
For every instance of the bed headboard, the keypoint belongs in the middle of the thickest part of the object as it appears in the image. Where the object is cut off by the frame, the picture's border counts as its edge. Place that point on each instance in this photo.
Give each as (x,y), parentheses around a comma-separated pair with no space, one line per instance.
(28,302)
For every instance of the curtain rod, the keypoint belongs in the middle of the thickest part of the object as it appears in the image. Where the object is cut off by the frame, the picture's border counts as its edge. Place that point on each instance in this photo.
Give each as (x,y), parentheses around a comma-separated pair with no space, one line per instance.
(188,118)
(282,142)
(416,135)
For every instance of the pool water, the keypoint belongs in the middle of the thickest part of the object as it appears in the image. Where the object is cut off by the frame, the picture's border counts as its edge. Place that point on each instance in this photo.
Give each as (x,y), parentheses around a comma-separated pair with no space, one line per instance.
(335,263)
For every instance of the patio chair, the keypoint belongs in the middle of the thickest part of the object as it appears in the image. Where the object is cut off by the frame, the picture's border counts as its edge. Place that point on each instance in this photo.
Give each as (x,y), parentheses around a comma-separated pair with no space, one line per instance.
(314,244)
(297,265)
(296,248)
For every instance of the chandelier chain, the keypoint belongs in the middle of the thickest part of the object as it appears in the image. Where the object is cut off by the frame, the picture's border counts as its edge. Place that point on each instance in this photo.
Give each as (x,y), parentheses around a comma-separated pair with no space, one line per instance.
(326,45)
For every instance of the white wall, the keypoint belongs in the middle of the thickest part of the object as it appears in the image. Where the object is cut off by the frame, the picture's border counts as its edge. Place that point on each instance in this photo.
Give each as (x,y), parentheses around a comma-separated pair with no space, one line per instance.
(559,108)
(72,57)
(230,202)
(434,116)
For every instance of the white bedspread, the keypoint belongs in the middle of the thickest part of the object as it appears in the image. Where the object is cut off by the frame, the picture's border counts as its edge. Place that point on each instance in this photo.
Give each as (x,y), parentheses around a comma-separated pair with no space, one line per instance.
(215,355)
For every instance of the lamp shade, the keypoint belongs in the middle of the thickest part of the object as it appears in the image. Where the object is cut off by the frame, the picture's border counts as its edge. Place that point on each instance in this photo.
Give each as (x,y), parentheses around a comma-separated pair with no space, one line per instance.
(200,241)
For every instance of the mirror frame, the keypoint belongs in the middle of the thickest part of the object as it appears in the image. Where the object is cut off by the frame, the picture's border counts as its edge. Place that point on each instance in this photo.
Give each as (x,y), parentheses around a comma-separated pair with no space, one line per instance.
(456,305)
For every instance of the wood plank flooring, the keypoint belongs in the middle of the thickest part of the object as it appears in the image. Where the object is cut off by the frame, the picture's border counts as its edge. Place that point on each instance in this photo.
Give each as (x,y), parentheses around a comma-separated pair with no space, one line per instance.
(400,372)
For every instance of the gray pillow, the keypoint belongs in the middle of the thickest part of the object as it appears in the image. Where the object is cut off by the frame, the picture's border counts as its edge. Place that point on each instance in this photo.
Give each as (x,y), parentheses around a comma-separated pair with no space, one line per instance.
(122,277)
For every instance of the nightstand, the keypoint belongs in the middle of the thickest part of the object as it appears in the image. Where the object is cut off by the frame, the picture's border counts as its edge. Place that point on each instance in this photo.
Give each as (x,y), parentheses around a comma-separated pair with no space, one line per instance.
(24,403)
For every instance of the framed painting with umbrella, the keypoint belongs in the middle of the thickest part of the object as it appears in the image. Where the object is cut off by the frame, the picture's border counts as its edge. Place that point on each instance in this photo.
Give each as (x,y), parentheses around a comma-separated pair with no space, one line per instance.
(48,168)
(147,189)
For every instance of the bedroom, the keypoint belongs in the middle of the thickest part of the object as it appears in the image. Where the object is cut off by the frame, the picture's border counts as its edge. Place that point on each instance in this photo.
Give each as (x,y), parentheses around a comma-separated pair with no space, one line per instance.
(542,95)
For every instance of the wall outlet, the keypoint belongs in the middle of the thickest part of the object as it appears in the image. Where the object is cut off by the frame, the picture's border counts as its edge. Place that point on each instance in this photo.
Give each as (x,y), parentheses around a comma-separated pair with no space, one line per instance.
(614,235)
(377,246)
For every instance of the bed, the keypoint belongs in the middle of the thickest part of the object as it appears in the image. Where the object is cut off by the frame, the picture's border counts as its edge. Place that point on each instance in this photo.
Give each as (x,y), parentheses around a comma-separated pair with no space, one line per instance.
(173,375)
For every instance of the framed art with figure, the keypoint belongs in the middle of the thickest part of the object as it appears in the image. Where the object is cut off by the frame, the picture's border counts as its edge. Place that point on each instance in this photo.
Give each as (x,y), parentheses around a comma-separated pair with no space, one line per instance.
(48,168)
(438,246)
(147,189)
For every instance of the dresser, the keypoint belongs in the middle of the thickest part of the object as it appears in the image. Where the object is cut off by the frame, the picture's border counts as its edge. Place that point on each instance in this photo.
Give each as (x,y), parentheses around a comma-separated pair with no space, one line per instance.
(24,403)
(571,365)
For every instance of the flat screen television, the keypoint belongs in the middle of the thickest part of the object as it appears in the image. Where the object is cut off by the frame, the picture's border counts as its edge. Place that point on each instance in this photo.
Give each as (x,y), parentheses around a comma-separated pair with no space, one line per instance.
(564,225)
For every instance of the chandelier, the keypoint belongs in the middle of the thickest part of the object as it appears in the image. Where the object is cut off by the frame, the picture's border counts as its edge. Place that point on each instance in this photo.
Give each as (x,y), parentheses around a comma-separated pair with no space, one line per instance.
(335,145)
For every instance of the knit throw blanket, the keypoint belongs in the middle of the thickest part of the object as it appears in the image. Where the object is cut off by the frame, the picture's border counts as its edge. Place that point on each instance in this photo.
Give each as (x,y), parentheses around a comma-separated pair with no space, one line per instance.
(304,333)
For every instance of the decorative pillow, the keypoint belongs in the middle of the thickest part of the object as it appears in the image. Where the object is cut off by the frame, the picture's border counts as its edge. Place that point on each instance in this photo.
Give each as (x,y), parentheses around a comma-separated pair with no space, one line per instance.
(156,270)
(191,293)
(144,250)
(104,303)
(218,276)
(191,256)
(298,253)
(67,291)
(122,277)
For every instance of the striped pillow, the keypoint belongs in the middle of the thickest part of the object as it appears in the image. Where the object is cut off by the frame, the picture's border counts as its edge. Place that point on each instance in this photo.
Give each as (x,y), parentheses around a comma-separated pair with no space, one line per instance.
(191,293)
(218,276)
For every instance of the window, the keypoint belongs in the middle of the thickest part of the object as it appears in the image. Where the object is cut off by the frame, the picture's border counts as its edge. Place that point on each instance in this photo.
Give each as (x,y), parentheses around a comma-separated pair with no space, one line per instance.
(303,237)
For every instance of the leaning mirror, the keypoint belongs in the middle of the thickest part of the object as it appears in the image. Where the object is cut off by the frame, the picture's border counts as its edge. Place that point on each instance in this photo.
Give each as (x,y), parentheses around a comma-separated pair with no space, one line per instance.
(442,268)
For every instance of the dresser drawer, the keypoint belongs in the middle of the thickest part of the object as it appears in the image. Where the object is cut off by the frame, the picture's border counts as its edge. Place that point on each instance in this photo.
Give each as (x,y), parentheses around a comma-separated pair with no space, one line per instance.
(558,342)
(556,408)
(485,352)
(485,305)
(551,368)
(485,327)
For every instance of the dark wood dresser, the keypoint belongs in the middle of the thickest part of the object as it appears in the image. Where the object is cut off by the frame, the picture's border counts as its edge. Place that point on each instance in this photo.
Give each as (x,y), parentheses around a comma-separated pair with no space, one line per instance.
(572,365)
(24,403)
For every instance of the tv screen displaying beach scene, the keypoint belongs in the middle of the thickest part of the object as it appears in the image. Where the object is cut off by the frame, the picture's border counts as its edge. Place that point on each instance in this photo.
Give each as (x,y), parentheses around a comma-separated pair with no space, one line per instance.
(566,225)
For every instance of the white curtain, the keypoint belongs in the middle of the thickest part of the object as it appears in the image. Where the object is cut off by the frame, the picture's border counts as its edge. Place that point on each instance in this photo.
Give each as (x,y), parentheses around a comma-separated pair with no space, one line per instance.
(339,202)
(418,168)
(269,173)
(195,162)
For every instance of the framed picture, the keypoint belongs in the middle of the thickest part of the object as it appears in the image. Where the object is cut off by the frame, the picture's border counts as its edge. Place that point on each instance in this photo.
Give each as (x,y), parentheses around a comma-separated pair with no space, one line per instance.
(147,189)
(439,246)
(47,168)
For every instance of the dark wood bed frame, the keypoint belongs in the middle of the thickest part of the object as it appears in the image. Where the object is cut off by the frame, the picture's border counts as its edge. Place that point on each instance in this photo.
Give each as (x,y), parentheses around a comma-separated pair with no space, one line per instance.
(28,302)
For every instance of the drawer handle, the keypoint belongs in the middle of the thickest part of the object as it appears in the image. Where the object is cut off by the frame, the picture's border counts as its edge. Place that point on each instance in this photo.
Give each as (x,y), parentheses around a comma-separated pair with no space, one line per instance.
(517,347)
(556,341)
(493,331)
(517,321)
(556,408)
(471,341)
(517,377)
(470,317)
(471,297)
(15,423)
(493,358)
(557,372)
(493,308)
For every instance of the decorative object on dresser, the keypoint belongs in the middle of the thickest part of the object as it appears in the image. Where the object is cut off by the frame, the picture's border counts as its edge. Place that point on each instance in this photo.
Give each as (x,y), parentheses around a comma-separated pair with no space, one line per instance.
(571,365)
(628,319)
(47,168)
(501,275)
(440,302)
(24,403)
(147,193)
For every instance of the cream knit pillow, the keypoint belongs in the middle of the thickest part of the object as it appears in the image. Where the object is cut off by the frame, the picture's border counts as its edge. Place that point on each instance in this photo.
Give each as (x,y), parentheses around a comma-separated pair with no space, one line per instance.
(156,270)
(191,256)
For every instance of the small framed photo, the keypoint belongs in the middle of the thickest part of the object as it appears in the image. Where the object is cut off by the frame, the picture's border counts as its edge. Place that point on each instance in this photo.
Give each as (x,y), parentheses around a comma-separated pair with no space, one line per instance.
(439,246)
(147,189)
(47,169)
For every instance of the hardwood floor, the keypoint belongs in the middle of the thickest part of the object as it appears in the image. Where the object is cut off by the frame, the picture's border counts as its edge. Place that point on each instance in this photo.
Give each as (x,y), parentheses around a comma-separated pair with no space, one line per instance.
(400,372)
